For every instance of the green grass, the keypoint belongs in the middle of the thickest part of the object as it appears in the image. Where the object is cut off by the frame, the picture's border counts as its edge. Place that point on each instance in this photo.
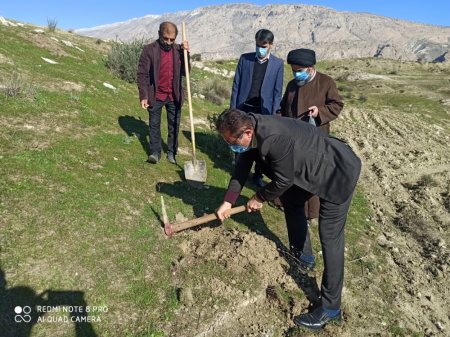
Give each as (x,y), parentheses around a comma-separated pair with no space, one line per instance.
(398,331)
(411,87)
(80,209)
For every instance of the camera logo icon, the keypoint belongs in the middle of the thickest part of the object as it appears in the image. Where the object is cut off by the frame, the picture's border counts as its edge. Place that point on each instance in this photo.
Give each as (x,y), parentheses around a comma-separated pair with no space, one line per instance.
(22,314)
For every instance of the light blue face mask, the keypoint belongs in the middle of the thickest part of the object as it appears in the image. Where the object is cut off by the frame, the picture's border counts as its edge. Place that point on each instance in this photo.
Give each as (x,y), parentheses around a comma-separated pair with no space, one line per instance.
(239,148)
(261,52)
(301,75)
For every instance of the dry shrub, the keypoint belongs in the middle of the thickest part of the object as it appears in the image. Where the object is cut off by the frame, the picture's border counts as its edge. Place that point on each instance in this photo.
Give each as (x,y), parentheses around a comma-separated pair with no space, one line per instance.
(16,87)
(123,59)
(51,24)
(216,91)
(196,57)
(427,181)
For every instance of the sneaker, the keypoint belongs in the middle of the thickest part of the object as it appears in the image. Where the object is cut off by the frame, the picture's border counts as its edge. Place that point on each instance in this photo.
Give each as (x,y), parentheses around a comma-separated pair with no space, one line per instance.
(317,319)
(171,158)
(153,158)
(307,262)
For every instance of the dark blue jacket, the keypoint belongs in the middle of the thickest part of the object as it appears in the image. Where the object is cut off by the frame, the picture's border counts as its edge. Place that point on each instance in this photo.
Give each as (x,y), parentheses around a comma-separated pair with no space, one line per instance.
(271,88)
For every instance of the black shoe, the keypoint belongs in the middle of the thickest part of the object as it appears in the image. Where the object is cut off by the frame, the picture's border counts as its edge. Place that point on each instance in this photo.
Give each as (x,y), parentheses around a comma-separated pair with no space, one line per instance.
(258,181)
(153,158)
(317,319)
(171,158)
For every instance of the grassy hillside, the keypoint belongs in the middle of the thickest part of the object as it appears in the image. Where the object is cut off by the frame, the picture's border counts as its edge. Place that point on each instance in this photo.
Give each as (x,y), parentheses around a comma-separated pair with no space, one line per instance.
(80,212)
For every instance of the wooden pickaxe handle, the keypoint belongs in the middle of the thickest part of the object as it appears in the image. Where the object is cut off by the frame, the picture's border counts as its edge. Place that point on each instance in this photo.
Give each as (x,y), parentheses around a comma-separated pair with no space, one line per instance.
(172,229)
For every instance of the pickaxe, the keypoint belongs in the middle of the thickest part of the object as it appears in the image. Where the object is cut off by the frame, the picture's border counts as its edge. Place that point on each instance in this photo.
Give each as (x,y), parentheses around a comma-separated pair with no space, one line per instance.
(170,229)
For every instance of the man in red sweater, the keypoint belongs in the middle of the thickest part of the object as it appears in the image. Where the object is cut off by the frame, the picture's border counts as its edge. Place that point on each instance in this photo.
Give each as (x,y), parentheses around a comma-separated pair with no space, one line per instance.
(161,67)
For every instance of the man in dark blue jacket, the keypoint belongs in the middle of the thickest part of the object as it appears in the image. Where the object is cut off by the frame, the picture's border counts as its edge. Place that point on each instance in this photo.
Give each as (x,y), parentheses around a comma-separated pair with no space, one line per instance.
(301,161)
(258,83)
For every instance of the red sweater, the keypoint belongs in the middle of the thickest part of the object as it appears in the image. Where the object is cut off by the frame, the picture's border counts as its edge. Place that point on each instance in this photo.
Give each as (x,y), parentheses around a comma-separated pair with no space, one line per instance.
(165,81)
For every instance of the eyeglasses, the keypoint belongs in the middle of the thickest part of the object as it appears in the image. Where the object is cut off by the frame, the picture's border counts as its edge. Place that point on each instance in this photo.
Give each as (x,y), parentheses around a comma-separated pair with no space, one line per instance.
(168,39)
(236,138)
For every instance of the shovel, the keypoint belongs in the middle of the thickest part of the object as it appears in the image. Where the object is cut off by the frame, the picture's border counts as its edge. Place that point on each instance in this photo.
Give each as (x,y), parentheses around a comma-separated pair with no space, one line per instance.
(195,170)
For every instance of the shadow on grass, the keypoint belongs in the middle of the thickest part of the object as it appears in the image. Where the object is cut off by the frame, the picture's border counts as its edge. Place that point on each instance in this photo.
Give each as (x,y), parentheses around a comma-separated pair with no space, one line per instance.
(139,128)
(211,198)
(212,144)
(19,310)
(135,127)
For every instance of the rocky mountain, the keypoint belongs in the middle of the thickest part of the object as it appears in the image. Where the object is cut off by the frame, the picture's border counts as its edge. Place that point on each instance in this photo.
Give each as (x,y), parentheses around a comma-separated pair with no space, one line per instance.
(226,31)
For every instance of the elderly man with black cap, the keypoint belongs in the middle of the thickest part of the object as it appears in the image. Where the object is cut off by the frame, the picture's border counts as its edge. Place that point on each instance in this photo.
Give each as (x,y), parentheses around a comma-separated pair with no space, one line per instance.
(310,93)
(312,97)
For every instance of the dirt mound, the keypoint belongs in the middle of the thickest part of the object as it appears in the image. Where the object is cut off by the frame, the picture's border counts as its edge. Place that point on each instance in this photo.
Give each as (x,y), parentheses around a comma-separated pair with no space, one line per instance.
(244,288)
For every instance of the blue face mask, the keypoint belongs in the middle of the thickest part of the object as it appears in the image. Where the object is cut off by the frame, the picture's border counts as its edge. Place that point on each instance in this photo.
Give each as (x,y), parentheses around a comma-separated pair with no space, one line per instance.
(301,75)
(261,52)
(238,148)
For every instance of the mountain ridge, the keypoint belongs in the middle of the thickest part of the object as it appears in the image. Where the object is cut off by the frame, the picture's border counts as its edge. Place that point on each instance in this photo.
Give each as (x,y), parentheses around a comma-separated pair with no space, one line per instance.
(332,34)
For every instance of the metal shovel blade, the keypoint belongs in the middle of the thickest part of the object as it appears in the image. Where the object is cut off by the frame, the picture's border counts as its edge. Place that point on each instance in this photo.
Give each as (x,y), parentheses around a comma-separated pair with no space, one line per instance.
(195,171)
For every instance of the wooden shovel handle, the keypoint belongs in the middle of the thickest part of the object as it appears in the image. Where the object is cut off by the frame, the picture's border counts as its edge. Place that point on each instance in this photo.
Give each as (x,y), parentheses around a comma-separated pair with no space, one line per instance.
(203,219)
(188,85)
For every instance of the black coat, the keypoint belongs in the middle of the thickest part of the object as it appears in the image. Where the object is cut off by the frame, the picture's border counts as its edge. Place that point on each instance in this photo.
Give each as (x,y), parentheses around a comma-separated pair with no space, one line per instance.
(296,153)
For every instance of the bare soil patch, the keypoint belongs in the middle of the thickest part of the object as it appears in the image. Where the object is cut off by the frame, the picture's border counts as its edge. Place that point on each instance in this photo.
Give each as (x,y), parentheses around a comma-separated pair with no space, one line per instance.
(406,174)
(43,41)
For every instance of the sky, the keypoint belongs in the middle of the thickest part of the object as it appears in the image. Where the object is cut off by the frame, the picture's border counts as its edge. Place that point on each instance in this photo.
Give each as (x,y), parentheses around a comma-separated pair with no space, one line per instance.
(74,14)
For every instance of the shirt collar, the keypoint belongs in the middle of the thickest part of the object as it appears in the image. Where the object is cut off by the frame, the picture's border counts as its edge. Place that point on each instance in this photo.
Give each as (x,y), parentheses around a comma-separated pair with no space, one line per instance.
(262,61)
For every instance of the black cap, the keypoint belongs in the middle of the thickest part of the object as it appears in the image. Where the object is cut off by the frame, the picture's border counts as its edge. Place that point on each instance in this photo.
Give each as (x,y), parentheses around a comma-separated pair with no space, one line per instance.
(302,57)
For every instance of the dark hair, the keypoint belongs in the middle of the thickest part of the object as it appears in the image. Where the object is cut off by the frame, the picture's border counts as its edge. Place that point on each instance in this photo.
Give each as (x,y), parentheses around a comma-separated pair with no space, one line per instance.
(165,26)
(234,121)
(264,35)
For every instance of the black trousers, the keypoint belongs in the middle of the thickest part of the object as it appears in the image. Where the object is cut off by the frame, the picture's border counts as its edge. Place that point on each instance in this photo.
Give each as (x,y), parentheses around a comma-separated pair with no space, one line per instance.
(332,218)
(173,126)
